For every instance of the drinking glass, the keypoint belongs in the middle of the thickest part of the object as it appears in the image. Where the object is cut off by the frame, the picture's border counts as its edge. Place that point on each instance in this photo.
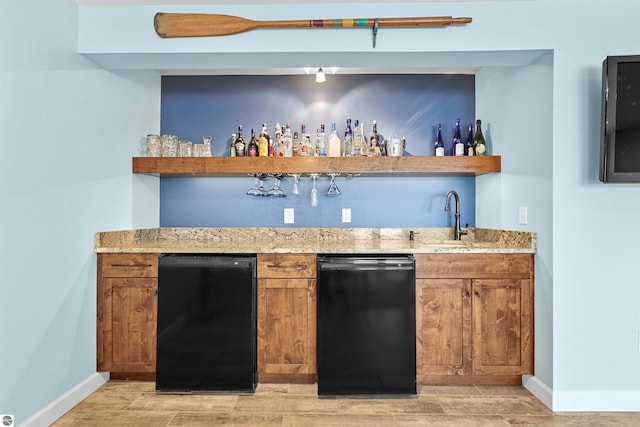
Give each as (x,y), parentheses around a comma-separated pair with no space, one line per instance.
(314,190)
(276,191)
(333,188)
(296,180)
(258,185)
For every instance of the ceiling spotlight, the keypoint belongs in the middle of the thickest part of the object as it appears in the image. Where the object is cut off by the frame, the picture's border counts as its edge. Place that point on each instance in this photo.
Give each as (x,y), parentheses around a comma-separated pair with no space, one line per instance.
(320,77)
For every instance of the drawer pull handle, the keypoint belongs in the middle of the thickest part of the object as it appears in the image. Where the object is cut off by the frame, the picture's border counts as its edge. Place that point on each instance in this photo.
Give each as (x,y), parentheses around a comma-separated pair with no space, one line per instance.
(132,265)
(297,267)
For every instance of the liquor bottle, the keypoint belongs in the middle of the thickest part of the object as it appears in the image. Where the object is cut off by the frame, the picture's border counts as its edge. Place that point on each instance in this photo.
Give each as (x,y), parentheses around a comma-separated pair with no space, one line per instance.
(240,145)
(468,146)
(232,147)
(439,143)
(479,144)
(321,142)
(374,141)
(296,144)
(348,140)
(252,151)
(458,145)
(263,142)
(287,139)
(364,144)
(357,139)
(278,142)
(335,145)
(304,142)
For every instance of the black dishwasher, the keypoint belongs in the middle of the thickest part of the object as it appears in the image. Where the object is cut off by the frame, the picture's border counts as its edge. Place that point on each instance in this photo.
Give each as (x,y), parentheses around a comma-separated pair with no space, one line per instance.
(206,323)
(366,330)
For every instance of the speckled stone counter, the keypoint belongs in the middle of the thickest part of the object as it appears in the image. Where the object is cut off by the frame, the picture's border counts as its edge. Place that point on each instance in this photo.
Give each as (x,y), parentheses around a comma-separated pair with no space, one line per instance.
(313,240)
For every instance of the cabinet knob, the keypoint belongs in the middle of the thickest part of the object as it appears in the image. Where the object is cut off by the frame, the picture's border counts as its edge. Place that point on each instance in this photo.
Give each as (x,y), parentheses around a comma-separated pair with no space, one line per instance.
(155,292)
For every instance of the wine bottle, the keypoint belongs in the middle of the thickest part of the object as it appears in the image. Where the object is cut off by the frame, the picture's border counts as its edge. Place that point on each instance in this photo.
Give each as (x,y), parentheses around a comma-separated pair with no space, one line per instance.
(287,139)
(263,142)
(458,145)
(335,145)
(439,143)
(468,146)
(240,145)
(253,145)
(374,144)
(348,140)
(479,144)
(232,147)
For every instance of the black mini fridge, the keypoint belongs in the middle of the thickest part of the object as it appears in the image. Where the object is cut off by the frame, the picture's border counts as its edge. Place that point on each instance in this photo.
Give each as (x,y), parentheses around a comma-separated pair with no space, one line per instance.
(206,323)
(366,337)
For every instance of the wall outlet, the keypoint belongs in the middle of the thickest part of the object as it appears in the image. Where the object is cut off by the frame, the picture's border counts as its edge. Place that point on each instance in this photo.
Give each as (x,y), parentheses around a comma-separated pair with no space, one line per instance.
(346,215)
(289,215)
(523,216)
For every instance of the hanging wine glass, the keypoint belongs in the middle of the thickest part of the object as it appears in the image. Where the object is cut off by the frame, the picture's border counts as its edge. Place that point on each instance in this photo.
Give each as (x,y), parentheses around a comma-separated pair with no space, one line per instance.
(314,190)
(258,185)
(333,188)
(276,191)
(255,190)
(296,180)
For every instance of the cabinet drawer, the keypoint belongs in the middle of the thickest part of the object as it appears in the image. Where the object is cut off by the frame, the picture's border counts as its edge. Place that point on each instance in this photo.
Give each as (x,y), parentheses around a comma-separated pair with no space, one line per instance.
(473,266)
(128,265)
(286,266)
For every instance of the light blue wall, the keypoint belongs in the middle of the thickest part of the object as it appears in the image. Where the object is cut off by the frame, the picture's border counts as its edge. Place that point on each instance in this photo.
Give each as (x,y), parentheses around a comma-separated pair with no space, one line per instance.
(68,131)
(587,300)
(51,96)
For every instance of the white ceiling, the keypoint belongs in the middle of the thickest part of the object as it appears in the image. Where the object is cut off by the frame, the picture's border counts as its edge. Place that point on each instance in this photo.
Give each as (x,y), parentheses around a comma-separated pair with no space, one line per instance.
(193,2)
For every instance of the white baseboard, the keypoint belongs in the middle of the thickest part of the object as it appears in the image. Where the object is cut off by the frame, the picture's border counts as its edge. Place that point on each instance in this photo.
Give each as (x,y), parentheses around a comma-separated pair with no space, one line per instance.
(56,409)
(596,401)
(538,389)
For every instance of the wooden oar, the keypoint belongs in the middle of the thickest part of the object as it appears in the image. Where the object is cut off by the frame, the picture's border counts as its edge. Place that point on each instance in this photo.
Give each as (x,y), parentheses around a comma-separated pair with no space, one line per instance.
(169,25)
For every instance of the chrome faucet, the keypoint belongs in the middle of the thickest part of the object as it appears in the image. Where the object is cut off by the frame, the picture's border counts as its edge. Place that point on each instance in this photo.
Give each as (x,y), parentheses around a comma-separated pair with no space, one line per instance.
(457,232)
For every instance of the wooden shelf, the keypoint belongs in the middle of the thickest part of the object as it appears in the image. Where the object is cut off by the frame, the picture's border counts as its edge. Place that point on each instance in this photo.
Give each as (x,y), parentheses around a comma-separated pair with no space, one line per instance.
(389,166)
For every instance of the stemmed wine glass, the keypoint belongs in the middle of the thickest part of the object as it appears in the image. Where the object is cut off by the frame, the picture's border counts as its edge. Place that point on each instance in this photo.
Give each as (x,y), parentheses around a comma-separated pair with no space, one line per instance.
(333,188)
(276,191)
(314,190)
(258,185)
(296,180)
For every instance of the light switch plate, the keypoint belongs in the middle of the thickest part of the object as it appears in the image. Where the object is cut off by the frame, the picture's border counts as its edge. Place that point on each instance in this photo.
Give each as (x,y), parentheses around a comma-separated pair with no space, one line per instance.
(523,216)
(346,215)
(289,215)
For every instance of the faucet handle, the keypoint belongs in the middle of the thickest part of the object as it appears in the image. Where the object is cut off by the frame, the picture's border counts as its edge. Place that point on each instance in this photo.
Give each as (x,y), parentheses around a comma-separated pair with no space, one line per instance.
(465,230)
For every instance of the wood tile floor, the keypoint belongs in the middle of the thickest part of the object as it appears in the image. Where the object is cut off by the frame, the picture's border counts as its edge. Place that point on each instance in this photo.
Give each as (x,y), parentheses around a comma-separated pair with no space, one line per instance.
(133,403)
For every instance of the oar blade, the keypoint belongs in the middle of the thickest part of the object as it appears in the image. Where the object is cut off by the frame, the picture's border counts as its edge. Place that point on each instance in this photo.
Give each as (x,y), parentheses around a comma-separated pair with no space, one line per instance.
(169,25)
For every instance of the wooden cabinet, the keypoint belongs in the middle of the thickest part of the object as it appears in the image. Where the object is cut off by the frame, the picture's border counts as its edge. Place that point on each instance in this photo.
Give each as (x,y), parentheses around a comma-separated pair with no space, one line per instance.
(474,318)
(126,315)
(287,317)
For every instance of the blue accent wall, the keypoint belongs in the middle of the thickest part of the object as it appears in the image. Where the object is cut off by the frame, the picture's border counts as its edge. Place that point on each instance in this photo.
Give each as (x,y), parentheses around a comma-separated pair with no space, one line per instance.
(403,105)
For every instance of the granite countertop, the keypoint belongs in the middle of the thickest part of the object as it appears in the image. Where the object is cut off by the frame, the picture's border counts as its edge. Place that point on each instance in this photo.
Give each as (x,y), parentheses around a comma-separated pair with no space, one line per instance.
(313,240)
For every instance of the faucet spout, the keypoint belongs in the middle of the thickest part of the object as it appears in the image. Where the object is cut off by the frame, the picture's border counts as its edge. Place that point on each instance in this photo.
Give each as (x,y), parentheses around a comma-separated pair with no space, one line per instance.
(457,231)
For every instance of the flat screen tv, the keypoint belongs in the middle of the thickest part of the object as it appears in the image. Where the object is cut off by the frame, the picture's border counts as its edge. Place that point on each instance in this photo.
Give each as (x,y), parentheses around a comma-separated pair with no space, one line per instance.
(620,123)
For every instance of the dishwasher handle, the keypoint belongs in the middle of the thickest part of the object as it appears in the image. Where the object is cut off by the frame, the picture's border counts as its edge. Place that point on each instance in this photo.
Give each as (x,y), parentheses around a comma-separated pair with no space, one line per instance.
(355,263)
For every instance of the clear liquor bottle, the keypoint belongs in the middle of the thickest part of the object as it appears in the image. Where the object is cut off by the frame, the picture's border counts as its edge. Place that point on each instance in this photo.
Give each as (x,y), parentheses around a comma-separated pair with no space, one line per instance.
(321,142)
(348,140)
(287,141)
(335,145)
(232,147)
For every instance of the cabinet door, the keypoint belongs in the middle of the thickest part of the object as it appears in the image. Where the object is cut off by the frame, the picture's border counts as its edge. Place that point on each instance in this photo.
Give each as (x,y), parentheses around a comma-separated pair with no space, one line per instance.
(443,315)
(501,334)
(133,312)
(286,329)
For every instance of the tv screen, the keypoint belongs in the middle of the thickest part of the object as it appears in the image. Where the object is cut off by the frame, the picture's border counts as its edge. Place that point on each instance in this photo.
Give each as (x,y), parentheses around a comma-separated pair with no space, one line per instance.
(620,125)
